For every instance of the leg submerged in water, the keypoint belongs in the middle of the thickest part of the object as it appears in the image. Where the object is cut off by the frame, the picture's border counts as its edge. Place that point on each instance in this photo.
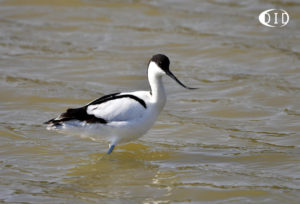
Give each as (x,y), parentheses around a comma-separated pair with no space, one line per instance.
(111,149)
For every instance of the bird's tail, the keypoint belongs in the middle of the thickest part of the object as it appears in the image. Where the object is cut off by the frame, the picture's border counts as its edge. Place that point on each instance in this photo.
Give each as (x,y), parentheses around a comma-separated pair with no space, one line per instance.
(70,114)
(54,124)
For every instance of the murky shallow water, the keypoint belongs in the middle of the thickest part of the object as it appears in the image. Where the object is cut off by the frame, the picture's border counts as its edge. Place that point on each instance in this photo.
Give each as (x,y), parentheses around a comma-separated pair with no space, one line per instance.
(235,140)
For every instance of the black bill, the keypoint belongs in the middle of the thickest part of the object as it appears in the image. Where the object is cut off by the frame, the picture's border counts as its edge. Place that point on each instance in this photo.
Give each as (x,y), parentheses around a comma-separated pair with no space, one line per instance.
(170,74)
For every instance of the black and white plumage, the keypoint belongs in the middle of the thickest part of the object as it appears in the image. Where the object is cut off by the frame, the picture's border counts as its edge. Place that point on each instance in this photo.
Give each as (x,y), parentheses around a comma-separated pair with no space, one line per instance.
(121,117)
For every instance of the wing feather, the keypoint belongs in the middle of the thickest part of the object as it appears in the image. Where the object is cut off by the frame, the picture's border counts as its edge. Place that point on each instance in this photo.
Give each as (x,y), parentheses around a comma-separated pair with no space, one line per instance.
(118,109)
(108,108)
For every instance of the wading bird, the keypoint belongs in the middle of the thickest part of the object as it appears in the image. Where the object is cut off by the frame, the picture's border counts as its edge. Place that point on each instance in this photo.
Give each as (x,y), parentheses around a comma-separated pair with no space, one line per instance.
(121,117)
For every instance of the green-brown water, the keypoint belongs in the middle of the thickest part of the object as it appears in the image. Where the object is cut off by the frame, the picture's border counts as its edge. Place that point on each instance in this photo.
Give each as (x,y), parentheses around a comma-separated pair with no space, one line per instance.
(235,140)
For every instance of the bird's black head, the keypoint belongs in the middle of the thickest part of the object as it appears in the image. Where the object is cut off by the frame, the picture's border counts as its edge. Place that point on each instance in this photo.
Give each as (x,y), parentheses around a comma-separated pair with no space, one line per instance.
(162,61)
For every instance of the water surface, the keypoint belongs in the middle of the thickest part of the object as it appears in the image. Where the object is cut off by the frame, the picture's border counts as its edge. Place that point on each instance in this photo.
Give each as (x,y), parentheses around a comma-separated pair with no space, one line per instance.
(235,140)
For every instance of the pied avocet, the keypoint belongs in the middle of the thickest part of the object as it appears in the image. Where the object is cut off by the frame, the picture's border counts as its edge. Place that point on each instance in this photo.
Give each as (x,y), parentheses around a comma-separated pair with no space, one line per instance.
(121,117)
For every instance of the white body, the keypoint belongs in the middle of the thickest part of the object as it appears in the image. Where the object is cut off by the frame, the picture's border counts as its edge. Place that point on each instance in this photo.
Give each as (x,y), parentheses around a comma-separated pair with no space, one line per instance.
(126,118)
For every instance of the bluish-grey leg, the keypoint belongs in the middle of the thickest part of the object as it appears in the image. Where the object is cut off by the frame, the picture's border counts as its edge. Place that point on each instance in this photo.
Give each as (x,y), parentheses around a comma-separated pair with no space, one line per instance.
(111,149)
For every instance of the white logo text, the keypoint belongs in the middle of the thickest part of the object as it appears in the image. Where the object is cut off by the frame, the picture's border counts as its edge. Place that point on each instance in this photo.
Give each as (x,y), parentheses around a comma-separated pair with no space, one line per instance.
(274,18)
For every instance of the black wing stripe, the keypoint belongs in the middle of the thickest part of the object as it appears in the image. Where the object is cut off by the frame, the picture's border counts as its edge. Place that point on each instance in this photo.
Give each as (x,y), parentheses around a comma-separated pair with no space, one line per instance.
(117,96)
(103,99)
(76,114)
(81,114)
(141,101)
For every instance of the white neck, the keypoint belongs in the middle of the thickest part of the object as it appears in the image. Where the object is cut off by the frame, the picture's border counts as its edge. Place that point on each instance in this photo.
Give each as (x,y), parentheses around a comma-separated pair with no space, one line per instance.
(158,94)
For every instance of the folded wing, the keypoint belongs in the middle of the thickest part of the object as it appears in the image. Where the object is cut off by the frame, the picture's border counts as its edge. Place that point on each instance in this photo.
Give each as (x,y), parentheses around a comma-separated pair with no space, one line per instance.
(109,108)
(124,108)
